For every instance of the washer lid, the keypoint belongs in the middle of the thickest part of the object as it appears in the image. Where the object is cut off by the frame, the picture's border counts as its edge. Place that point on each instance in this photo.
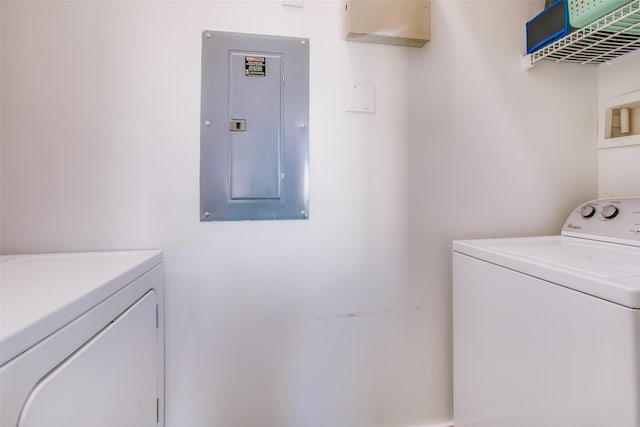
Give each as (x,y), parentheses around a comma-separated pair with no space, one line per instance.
(40,294)
(605,270)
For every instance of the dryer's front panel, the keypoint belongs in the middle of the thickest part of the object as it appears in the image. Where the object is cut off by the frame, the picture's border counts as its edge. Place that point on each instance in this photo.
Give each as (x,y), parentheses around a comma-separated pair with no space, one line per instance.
(110,381)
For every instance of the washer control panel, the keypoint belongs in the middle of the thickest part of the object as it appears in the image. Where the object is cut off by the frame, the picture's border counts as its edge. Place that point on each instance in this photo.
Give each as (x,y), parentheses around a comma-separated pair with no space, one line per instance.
(609,220)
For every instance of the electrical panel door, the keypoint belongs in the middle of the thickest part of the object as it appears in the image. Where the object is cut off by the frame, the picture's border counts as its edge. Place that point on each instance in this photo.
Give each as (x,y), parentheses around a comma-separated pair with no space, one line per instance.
(254,157)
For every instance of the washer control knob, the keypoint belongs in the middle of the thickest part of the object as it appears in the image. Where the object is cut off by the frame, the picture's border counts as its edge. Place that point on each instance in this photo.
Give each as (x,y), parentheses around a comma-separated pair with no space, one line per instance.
(587,211)
(609,211)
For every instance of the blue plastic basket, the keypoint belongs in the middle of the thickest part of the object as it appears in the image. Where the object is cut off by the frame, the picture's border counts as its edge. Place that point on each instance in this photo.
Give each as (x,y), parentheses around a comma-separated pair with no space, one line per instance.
(548,26)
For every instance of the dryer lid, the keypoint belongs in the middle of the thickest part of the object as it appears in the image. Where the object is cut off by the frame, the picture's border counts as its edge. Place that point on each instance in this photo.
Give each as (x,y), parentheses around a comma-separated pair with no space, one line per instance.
(39,294)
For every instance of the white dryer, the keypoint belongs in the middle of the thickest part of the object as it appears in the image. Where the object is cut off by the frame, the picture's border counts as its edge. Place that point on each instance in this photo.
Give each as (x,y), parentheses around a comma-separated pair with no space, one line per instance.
(546,330)
(82,339)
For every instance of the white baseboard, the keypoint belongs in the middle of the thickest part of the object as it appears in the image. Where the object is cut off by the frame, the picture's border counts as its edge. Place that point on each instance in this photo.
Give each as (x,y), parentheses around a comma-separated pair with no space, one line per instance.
(441,424)
(447,424)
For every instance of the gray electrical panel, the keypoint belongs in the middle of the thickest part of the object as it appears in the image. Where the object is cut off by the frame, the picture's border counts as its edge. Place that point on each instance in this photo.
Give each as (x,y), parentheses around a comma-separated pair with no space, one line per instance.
(254,127)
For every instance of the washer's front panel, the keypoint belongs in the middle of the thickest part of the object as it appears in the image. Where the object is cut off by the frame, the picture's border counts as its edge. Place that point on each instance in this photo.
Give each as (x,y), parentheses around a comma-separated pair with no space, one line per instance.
(530,353)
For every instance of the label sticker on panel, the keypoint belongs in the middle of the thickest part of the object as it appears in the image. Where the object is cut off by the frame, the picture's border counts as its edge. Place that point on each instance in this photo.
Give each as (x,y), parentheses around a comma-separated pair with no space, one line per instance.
(255,66)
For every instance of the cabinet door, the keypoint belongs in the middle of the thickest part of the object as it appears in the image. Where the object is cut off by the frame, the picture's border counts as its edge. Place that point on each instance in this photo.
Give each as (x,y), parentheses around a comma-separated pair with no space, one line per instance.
(109,381)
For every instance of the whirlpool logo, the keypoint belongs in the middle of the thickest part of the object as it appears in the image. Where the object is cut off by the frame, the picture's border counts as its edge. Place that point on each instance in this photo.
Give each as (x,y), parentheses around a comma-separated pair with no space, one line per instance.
(574,227)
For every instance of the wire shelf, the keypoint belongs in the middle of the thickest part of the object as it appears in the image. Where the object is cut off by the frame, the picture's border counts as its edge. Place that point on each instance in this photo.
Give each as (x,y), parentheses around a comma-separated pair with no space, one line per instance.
(609,37)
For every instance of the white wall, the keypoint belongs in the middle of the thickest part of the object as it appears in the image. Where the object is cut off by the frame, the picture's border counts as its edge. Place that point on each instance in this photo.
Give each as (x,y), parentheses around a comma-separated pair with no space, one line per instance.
(495,150)
(618,170)
(342,320)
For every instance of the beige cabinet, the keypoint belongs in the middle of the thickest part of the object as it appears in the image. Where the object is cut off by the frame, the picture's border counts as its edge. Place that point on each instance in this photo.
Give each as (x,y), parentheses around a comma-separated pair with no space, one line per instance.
(396,22)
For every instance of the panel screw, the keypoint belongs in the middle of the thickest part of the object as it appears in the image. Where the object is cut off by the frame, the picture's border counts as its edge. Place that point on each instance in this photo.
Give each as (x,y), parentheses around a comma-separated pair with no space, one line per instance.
(302,126)
(207,214)
(303,43)
(207,123)
(302,212)
(208,35)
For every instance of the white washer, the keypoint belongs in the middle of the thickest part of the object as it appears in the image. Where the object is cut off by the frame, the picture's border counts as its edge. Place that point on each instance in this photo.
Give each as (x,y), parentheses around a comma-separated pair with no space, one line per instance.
(82,339)
(546,330)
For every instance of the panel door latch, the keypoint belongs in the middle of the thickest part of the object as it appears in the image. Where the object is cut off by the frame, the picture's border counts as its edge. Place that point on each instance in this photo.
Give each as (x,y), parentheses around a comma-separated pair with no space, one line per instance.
(237,125)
